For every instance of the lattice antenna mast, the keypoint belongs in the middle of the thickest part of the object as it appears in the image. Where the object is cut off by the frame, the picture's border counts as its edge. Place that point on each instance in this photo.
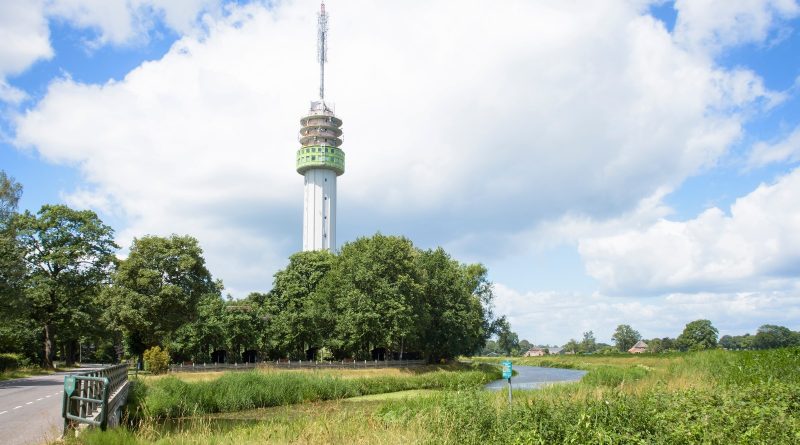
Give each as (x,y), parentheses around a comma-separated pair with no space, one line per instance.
(322,47)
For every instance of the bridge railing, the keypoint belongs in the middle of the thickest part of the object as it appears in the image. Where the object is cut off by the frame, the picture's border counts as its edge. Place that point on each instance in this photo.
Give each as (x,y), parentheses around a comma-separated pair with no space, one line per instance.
(95,397)
(294,364)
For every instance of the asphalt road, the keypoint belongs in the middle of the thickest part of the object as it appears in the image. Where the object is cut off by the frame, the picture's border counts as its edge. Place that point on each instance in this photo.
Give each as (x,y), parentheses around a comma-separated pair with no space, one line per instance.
(30,409)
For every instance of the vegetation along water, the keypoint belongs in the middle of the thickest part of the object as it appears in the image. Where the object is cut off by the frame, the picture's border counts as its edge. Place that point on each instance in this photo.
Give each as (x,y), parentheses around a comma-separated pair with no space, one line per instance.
(710,397)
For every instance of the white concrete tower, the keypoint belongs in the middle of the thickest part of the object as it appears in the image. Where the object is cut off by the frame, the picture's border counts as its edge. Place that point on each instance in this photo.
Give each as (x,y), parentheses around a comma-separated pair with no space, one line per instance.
(320,160)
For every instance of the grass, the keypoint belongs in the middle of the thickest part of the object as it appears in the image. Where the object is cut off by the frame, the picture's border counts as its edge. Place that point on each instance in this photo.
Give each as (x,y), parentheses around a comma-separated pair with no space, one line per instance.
(21,373)
(713,397)
(174,396)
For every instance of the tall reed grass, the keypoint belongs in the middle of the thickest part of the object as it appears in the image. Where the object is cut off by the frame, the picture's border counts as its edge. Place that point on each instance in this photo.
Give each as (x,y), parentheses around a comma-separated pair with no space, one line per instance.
(172,397)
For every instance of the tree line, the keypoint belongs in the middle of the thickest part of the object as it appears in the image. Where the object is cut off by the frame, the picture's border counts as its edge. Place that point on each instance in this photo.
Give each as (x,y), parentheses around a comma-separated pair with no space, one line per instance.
(697,335)
(65,294)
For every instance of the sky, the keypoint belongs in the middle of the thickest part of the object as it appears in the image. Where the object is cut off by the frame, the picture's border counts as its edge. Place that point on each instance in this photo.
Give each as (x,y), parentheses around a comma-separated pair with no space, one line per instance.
(610,162)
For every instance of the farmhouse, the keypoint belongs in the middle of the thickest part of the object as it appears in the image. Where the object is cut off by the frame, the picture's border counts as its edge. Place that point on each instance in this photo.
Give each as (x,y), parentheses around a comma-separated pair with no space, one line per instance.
(535,352)
(638,348)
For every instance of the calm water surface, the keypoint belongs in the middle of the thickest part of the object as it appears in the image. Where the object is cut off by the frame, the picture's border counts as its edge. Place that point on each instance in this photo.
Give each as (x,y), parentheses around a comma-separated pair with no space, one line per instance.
(534,377)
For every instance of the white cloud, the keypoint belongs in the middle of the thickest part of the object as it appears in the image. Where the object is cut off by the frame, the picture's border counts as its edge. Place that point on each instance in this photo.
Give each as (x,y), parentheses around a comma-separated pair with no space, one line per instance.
(497,117)
(787,149)
(755,248)
(553,317)
(24,39)
(123,21)
(710,25)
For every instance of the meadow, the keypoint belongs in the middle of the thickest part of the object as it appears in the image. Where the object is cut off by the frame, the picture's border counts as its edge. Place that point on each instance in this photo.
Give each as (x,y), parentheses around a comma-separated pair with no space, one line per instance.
(711,397)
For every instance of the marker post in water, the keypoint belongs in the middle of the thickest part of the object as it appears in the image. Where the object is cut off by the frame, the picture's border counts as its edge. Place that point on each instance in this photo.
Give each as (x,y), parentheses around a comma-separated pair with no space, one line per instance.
(507,375)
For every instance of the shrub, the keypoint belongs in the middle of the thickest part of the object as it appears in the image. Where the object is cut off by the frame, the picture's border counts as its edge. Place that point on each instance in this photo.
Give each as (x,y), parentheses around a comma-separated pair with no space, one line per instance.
(11,361)
(156,360)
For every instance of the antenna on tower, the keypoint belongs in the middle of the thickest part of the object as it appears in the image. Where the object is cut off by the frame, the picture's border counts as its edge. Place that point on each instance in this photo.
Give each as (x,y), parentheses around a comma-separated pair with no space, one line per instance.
(322,47)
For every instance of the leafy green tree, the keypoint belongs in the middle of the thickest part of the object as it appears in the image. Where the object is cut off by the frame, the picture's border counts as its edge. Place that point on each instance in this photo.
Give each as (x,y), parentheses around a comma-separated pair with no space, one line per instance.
(197,339)
(10,192)
(698,335)
(771,336)
(296,320)
(243,327)
(452,315)
(12,265)
(375,292)
(157,289)
(507,340)
(588,344)
(68,255)
(571,346)
(625,337)
(524,346)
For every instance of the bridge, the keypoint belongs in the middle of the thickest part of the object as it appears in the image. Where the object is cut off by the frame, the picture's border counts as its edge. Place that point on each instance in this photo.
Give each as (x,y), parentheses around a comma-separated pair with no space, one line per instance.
(32,409)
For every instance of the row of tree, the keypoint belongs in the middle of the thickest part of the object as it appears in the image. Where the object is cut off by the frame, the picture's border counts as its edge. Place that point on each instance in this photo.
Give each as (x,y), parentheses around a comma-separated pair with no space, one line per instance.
(697,335)
(62,288)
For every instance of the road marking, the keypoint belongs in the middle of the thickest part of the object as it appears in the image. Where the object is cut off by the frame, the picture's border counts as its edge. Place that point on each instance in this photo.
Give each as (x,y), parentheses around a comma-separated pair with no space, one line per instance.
(48,396)
(29,403)
(17,407)
(1,413)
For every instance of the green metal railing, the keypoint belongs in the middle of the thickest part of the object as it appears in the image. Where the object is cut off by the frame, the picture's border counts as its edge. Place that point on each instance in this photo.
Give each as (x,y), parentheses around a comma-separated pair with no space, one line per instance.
(95,397)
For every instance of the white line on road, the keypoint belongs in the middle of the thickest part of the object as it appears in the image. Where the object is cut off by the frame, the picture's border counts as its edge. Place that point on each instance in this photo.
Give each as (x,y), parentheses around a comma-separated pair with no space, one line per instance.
(29,403)
(40,398)
(3,412)
(17,407)
(49,395)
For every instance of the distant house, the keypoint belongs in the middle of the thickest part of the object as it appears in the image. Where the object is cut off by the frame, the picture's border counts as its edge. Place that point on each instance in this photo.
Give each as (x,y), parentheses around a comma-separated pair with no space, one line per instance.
(534,352)
(555,350)
(638,348)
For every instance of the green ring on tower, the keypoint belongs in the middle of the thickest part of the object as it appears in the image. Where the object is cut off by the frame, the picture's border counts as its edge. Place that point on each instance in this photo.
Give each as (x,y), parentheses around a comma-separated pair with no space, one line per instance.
(320,156)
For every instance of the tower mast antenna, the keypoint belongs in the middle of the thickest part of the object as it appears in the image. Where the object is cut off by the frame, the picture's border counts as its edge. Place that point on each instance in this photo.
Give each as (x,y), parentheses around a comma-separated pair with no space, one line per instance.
(322,47)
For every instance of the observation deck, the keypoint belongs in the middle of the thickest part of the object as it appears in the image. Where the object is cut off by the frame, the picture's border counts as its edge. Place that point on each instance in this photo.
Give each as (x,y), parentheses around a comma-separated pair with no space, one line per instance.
(320,138)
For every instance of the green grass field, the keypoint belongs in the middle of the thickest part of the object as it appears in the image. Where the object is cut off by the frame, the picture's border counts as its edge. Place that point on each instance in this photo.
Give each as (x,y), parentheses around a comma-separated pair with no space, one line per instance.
(713,397)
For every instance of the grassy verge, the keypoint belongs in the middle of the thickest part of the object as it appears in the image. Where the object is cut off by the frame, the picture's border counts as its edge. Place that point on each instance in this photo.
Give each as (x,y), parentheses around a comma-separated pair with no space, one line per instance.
(24,372)
(236,391)
(714,397)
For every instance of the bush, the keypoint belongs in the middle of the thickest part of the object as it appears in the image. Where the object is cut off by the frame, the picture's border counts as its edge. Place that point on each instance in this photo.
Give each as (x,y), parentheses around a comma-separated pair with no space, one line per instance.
(11,361)
(156,360)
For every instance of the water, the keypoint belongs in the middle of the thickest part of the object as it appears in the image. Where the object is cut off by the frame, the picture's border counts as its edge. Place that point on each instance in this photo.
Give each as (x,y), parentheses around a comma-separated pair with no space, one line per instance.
(534,377)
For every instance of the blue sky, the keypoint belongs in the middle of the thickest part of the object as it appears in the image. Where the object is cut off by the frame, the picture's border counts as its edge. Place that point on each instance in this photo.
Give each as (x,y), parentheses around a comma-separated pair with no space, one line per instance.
(616,162)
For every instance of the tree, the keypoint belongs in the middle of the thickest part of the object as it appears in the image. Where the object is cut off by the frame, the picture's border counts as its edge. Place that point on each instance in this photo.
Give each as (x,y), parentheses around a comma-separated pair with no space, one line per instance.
(588,344)
(10,192)
(295,321)
(698,335)
(12,264)
(68,255)
(157,289)
(524,346)
(571,346)
(453,318)
(374,291)
(625,337)
(771,336)
(507,340)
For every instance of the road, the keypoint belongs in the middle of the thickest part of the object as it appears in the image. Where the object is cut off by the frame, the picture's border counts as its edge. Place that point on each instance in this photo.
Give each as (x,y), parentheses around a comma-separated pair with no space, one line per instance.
(532,377)
(30,409)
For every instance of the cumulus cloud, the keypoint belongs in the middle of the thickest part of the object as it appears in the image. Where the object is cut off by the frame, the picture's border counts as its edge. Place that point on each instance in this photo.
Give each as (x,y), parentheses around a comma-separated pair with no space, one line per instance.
(711,25)
(786,149)
(123,21)
(495,117)
(25,39)
(755,248)
(554,317)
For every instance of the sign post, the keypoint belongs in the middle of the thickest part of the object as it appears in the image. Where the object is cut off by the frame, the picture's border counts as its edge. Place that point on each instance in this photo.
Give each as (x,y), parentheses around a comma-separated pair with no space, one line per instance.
(507,375)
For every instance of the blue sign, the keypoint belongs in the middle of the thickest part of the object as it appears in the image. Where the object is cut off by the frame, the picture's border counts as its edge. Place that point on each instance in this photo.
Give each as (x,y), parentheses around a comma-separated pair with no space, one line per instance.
(506,369)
